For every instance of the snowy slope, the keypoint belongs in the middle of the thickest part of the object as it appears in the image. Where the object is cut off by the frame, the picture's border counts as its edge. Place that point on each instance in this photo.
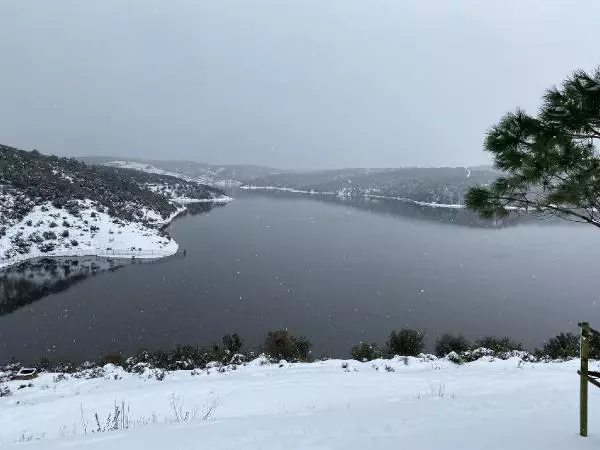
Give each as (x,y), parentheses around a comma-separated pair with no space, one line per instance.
(413,404)
(90,233)
(170,192)
(52,206)
(211,178)
(151,169)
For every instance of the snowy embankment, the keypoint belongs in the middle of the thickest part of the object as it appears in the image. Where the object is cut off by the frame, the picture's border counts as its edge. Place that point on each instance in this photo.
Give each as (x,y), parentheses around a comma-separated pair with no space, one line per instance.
(283,189)
(48,231)
(412,403)
(58,207)
(172,195)
(416,202)
(51,231)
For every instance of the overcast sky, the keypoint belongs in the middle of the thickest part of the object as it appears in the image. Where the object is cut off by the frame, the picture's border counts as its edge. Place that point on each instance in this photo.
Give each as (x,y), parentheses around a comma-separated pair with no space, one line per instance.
(292,84)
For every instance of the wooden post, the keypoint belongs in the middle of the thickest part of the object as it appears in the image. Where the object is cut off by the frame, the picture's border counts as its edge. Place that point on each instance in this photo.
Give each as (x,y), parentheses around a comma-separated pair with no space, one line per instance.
(583,387)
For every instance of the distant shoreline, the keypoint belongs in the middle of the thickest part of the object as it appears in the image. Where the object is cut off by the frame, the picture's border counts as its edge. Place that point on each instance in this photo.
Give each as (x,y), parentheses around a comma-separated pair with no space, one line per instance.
(340,195)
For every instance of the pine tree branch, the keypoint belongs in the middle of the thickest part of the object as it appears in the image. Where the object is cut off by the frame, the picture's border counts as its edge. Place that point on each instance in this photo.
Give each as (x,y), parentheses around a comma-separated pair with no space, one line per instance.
(549,214)
(591,220)
(593,135)
(594,131)
(562,217)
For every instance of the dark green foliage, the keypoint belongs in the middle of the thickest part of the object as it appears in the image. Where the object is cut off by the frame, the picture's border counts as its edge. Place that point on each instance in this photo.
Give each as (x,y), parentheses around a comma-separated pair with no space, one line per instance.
(36,238)
(47,247)
(117,359)
(406,342)
(43,364)
(366,352)
(49,235)
(184,357)
(281,344)
(232,343)
(566,346)
(550,163)
(192,357)
(303,346)
(498,344)
(120,191)
(65,233)
(563,346)
(451,343)
(65,366)
(435,184)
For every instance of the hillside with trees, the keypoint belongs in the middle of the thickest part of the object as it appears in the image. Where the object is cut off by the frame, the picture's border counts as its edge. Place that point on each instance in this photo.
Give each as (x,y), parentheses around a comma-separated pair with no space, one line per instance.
(38,178)
(434,185)
(51,205)
(227,175)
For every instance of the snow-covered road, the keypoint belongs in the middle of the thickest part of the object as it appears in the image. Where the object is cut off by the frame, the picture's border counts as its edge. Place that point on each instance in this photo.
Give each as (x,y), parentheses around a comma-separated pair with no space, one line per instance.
(324,405)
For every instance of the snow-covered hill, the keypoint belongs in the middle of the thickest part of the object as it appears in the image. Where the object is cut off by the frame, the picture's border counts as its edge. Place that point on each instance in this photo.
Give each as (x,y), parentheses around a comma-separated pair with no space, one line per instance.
(149,168)
(427,186)
(53,206)
(51,231)
(408,403)
(212,177)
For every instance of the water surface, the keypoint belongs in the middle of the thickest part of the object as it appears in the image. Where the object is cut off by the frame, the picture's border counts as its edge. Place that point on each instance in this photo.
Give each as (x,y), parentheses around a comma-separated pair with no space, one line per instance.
(334,272)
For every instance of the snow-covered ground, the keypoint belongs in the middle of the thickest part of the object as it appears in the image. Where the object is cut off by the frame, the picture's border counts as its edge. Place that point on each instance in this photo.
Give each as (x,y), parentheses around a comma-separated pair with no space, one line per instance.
(50,231)
(94,232)
(170,193)
(403,403)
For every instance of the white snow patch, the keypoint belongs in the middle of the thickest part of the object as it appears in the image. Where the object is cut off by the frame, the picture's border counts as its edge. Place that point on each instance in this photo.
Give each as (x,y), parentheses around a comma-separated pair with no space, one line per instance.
(412,403)
(122,240)
(188,201)
(416,202)
(170,193)
(345,194)
(152,169)
(208,180)
(283,189)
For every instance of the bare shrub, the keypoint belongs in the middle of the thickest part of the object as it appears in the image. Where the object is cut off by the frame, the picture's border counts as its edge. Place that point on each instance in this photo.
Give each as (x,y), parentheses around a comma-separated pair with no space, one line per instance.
(4,390)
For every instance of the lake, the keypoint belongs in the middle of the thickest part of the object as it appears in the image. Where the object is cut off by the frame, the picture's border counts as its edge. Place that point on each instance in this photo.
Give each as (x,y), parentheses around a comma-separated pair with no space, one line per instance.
(336,272)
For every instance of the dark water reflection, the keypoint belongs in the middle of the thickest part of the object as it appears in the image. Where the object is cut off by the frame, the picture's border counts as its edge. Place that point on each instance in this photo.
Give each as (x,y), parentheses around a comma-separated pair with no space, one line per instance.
(334,272)
(28,282)
(406,209)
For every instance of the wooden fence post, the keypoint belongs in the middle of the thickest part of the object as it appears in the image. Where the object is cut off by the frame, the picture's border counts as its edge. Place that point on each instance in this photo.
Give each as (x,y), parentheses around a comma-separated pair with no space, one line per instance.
(583,388)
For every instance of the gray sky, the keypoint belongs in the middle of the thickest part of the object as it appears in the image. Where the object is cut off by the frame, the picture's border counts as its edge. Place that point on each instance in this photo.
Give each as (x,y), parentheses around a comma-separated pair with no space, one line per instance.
(292,84)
